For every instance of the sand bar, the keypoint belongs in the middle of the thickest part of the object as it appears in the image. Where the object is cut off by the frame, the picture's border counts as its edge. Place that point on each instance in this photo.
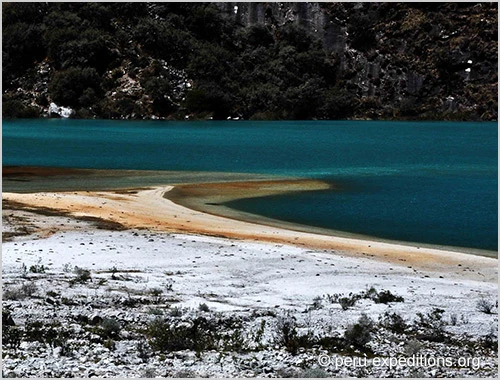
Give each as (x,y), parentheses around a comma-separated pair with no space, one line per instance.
(28,179)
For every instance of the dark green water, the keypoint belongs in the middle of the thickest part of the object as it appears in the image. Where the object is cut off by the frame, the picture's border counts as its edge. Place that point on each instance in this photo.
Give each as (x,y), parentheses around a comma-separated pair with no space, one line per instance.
(428,182)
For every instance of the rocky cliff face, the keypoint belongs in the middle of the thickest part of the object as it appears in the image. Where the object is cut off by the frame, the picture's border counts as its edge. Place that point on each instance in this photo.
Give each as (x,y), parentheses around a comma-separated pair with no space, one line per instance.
(252,60)
(400,54)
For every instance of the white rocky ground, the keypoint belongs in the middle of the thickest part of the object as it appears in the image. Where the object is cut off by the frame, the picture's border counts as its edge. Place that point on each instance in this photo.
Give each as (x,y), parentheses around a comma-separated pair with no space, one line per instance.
(84,301)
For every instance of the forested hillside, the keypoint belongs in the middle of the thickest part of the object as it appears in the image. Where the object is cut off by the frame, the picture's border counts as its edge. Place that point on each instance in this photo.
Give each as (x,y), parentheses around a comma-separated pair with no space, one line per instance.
(250,60)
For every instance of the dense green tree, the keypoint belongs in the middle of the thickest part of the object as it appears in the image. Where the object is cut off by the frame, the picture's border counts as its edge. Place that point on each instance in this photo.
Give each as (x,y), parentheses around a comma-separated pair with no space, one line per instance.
(211,99)
(128,11)
(96,16)
(298,37)
(338,103)
(163,39)
(158,90)
(75,86)
(361,33)
(61,28)
(90,49)
(22,45)
(210,62)
(29,13)
(257,35)
(12,108)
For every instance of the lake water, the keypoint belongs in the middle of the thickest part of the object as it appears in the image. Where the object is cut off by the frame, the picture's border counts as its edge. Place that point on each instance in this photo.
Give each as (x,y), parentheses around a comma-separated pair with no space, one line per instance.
(425,182)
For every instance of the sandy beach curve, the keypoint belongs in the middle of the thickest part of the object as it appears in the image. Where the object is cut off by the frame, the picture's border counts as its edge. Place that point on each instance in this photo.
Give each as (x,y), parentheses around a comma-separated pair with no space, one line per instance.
(150,209)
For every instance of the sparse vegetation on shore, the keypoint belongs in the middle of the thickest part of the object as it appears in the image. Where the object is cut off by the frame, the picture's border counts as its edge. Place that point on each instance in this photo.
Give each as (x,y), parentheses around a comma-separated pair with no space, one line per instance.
(91,302)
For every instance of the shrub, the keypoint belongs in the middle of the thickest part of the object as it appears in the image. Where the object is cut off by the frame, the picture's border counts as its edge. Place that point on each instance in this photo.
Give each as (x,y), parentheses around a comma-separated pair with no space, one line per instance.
(338,103)
(12,109)
(287,333)
(453,319)
(88,49)
(204,307)
(7,319)
(393,322)
(21,46)
(143,351)
(52,294)
(67,268)
(110,327)
(82,275)
(148,373)
(110,344)
(199,335)
(28,289)
(297,36)
(119,107)
(176,312)
(159,90)
(37,268)
(257,35)
(167,337)
(385,296)
(347,302)
(359,334)
(184,374)
(164,39)
(130,301)
(317,303)
(68,301)
(51,333)
(490,340)
(28,12)
(260,332)
(314,373)
(430,326)
(155,292)
(485,306)
(288,337)
(209,98)
(361,33)
(18,293)
(233,341)
(24,270)
(412,347)
(11,336)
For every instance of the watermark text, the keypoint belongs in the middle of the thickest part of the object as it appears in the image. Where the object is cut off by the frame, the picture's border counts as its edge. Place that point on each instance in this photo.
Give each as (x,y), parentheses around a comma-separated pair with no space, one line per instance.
(399,361)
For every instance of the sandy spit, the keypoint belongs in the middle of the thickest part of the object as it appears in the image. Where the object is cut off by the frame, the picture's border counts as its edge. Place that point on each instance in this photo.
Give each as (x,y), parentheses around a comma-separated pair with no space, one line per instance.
(149,209)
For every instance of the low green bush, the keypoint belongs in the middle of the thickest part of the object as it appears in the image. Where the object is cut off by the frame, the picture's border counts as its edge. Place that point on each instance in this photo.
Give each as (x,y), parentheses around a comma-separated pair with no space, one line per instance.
(167,336)
(431,326)
(393,322)
(15,109)
(360,333)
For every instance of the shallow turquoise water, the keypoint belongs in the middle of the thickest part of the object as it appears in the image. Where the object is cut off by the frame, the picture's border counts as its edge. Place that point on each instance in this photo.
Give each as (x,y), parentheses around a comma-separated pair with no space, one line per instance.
(429,182)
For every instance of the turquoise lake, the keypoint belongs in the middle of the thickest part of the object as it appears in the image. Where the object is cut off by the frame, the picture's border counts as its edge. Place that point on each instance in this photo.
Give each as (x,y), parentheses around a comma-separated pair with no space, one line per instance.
(425,182)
